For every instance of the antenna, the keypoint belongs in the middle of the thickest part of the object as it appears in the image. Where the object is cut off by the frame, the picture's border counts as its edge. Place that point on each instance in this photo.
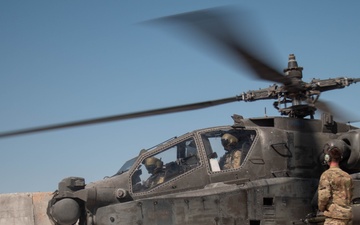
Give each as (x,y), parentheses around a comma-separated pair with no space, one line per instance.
(265,112)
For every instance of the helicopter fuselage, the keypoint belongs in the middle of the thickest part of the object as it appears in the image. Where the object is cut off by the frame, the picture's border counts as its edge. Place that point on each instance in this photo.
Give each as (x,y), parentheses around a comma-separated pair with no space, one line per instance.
(276,182)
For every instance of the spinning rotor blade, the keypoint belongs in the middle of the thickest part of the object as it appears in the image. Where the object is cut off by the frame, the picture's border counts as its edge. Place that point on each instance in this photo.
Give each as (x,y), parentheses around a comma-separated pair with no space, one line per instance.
(339,115)
(212,24)
(134,115)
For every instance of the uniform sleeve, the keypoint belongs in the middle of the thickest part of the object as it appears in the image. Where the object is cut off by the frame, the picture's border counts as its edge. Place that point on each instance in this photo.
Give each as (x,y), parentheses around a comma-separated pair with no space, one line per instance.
(324,192)
(236,159)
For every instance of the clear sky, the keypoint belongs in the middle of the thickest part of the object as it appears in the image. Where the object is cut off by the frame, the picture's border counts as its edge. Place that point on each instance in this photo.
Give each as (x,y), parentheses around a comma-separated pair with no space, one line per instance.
(64,61)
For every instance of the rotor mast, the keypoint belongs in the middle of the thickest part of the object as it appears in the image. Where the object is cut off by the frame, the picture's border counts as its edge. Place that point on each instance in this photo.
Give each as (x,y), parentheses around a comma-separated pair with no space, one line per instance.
(296,98)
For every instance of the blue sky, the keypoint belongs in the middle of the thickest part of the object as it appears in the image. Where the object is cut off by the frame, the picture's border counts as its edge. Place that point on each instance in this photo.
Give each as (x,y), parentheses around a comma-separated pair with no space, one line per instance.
(64,61)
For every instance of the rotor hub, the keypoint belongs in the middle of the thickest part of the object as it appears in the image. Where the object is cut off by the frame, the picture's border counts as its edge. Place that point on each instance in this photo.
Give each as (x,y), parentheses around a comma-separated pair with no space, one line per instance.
(293,70)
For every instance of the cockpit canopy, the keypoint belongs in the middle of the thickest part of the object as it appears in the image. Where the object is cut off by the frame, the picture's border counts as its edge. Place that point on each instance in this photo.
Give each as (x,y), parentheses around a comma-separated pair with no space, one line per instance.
(199,149)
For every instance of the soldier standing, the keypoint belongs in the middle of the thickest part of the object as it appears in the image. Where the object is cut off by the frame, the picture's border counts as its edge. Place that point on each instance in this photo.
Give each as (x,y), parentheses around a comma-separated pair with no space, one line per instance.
(335,190)
(232,157)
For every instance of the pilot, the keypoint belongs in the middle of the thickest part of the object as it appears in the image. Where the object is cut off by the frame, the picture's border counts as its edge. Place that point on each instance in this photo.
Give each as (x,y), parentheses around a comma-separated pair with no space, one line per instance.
(155,167)
(232,157)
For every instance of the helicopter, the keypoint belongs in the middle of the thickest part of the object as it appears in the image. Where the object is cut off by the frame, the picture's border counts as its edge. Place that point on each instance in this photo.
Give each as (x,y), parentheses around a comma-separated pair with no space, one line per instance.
(280,166)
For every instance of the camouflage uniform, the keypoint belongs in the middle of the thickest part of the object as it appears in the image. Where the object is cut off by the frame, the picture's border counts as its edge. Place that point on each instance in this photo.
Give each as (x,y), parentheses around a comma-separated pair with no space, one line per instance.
(331,221)
(335,194)
(155,179)
(230,160)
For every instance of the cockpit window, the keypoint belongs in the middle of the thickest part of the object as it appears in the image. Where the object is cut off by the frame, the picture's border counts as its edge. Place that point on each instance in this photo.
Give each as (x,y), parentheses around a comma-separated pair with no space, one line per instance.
(232,146)
(127,165)
(166,165)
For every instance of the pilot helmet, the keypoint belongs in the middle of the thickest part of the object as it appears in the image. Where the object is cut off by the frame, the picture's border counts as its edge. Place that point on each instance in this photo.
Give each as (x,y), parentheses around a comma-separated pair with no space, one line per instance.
(153,164)
(228,141)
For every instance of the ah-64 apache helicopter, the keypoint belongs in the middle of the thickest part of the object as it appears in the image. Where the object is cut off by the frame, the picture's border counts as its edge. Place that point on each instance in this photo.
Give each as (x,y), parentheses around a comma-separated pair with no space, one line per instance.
(281,157)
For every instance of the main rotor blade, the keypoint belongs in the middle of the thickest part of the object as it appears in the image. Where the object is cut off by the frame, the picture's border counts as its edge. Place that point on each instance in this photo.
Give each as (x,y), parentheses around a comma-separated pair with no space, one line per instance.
(212,24)
(339,115)
(133,115)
